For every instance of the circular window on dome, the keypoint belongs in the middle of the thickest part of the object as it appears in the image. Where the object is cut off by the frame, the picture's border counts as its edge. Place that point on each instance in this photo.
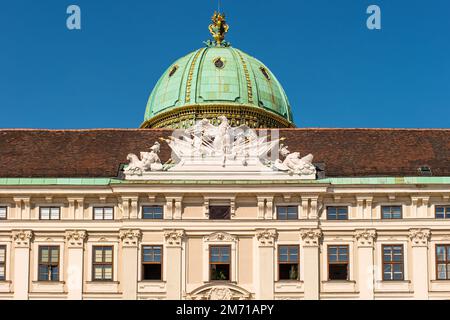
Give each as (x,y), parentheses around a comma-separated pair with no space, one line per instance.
(219,63)
(173,71)
(265,73)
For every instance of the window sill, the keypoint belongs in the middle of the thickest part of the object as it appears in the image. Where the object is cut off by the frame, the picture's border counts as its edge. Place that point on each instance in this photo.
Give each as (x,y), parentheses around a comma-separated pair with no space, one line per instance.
(47,286)
(150,286)
(5,286)
(102,286)
(440,285)
(339,286)
(393,286)
(282,286)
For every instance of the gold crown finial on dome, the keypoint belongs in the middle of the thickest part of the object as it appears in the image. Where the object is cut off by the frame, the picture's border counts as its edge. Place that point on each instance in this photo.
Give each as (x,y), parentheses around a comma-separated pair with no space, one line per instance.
(219,28)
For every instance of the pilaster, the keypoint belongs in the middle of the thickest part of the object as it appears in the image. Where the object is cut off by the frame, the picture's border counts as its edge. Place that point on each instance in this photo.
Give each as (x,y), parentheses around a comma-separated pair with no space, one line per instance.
(22,243)
(419,242)
(75,240)
(174,245)
(365,240)
(311,239)
(266,246)
(130,240)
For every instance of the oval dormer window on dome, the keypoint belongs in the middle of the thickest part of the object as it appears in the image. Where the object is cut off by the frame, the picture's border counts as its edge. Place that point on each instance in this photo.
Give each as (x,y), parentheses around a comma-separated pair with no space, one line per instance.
(173,71)
(219,63)
(265,73)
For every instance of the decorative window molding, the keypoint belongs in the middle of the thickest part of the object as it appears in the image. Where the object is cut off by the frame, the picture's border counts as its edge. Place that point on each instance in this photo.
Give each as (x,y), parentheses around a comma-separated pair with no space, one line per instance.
(221,239)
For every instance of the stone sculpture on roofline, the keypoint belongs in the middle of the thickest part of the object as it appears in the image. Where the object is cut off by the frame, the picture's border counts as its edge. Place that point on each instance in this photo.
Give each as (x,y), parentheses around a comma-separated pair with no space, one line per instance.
(208,148)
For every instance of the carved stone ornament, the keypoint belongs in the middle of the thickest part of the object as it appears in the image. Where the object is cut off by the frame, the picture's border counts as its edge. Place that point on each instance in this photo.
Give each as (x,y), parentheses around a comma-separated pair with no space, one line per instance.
(225,292)
(174,237)
(419,237)
(267,238)
(311,237)
(294,164)
(220,149)
(149,162)
(130,238)
(365,238)
(220,237)
(22,238)
(76,238)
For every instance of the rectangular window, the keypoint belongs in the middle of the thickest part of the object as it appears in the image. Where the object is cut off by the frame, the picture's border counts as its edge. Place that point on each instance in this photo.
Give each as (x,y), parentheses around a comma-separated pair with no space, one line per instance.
(391,212)
(443,212)
(443,262)
(288,262)
(49,213)
(287,213)
(48,263)
(152,262)
(3,213)
(220,263)
(219,212)
(106,213)
(102,265)
(153,212)
(2,263)
(338,262)
(337,213)
(393,265)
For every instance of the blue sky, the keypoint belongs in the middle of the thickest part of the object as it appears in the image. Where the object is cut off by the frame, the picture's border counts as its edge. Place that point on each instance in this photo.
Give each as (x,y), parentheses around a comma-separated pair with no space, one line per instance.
(336,72)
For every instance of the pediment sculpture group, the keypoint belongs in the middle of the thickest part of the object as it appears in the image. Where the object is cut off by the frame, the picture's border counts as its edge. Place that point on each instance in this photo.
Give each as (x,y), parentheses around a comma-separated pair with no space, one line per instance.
(221,144)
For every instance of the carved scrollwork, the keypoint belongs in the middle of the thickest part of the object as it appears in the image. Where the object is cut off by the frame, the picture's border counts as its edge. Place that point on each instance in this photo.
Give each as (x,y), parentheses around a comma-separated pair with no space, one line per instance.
(130,238)
(174,238)
(365,238)
(76,238)
(22,238)
(220,237)
(311,237)
(419,237)
(267,238)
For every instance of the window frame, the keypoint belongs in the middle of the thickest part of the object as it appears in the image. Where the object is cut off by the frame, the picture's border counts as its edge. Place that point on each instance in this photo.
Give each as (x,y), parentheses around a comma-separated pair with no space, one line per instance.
(103,213)
(94,263)
(152,206)
(337,213)
(6,213)
(277,214)
(329,263)
(161,263)
(210,263)
(392,263)
(219,206)
(446,262)
(445,207)
(50,213)
(4,263)
(279,262)
(391,206)
(50,248)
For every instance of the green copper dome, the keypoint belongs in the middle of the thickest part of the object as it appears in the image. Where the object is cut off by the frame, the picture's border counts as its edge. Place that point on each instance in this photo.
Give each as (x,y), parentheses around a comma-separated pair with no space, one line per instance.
(218,80)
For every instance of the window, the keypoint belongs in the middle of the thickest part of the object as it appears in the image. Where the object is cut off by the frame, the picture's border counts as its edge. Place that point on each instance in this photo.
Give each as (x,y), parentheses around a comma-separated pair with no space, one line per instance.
(103,213)
(152,263)
(337,213)
(219,212)
(393,263)
(102,266)
(288,262)
(391,212)
(219,263)
(3,213)
(173,71)
(153,212)
(338,263)
(49,213)
(442,212)
(443,262)
(265,73)
(48,263)
(219,63)
(2,263)
(287,213)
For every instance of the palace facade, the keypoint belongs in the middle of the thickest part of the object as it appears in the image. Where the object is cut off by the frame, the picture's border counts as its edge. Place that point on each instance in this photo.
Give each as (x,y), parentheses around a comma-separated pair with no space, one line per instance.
(219,196)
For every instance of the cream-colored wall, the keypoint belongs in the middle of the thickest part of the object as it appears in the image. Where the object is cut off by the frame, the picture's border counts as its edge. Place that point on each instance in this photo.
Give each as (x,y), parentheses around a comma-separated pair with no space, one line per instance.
(245,232)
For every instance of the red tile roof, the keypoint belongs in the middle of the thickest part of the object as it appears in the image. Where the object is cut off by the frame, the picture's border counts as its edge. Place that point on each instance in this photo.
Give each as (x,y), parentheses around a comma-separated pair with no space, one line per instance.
(345,152)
